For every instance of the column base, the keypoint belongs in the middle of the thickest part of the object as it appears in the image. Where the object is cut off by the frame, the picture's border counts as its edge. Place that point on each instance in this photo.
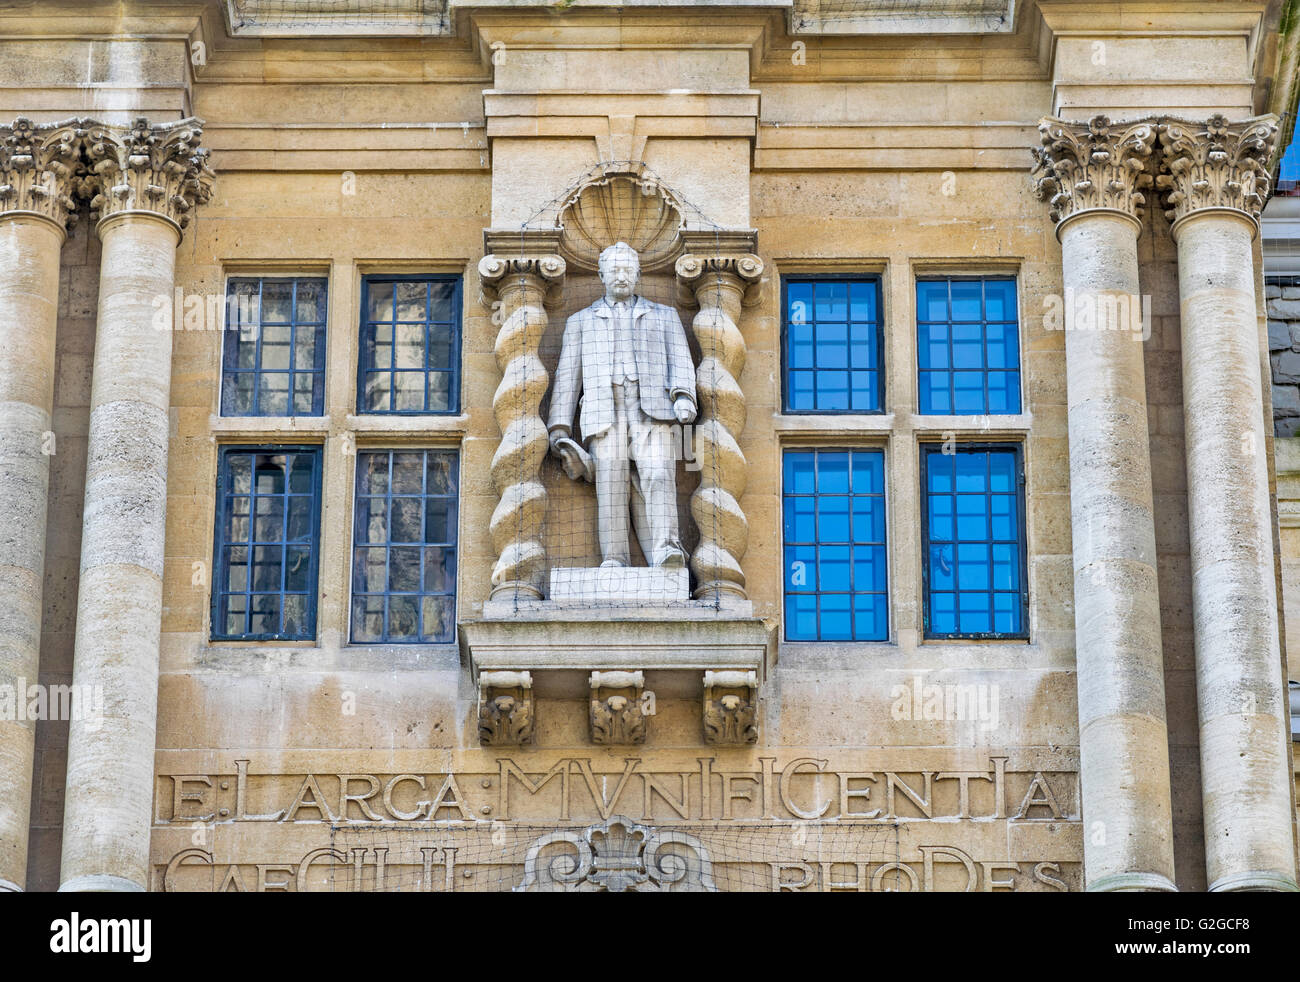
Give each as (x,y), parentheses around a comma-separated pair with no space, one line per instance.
(1255,881)
(100,883)
(1133,883)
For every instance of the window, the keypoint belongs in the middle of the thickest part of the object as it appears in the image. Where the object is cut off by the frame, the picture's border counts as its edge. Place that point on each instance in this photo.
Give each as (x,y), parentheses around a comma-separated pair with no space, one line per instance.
(274,347)
(404,559)
(968,346)
(832,344)
(973,533)
(833,504)
(267,534)
(410,345)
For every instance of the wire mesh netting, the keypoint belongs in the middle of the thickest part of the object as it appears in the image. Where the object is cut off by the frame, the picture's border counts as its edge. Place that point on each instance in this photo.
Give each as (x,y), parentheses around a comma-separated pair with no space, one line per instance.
(615,856)
(620,459)
(380,16)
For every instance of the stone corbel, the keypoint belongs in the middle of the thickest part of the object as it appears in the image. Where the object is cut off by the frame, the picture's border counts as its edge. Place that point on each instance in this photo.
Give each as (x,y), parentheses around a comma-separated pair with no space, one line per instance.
(731,708)
(720,283)
(517,289)
(38,169)
(505,708)
(617,712)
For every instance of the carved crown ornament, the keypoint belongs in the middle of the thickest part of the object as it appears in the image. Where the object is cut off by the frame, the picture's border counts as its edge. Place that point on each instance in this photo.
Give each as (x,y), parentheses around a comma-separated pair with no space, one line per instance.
(1094,165)
(617,856)
(49,168)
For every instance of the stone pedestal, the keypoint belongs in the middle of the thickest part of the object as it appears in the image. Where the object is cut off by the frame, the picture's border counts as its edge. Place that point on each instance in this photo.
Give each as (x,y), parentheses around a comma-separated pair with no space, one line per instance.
(619,586)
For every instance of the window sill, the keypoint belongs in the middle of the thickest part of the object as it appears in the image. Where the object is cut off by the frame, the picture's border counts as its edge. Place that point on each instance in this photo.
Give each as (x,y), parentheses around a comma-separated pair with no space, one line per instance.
(838,424)
(988,425)
(260,427)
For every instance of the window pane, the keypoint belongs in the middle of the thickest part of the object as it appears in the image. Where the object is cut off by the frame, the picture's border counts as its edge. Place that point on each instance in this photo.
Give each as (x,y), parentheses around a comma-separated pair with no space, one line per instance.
(280,329)
(968,346)
(834,529)
(832,357)
(266,545)
(975,578)
(410,331)
(404,560)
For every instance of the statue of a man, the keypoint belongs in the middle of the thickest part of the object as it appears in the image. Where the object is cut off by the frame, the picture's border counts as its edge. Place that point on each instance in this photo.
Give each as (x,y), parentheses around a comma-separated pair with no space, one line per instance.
(629,361)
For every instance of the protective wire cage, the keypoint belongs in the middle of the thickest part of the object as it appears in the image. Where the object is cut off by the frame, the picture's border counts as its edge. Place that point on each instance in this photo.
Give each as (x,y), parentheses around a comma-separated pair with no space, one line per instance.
(620,467)
(616,855)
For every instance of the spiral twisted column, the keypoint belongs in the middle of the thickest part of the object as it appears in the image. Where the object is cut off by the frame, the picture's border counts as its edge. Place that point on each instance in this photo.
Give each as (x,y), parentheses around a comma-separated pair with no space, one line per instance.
(720,285)
(518,290)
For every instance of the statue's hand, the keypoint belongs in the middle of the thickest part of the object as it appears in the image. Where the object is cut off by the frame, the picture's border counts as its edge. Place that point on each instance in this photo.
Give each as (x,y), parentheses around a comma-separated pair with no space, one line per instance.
(557,434)
(684,410)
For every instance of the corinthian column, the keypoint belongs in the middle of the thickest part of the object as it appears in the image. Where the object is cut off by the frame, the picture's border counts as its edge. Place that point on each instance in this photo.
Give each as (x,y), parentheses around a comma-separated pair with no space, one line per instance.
(36,177)
(720,284)
(1093,175)
(149,178)
(1216,185)
(517,290)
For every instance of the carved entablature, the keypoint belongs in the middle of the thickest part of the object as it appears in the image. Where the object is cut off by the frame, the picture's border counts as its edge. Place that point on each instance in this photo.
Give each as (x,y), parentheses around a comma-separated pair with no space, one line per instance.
(730,708)
(505,708)
(1216,164)
(39,167)
(1094,166)
(146,167)
(617,710)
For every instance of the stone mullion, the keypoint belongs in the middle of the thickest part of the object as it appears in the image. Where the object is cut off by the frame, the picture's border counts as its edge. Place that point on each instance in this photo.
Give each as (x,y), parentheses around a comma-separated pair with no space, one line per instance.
(149,178)
(1214,189)
(518,290)
(1093,177)
(720,285)
(36,183)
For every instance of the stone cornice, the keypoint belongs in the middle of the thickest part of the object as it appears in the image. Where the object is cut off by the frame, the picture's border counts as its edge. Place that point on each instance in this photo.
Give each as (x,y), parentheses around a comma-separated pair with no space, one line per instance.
(1216,164)
(38,168)
(158,168)
(1093,166)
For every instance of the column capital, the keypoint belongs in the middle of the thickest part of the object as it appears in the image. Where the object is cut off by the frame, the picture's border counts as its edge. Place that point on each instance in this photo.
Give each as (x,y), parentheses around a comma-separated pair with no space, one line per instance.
(545,271)
(38,169)
(148,168)
(695,271)
(1217,164)
(1093,166)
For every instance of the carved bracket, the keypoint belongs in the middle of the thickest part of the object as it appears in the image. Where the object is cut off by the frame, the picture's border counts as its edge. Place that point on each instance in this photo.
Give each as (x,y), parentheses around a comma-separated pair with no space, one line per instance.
(505,708)
(731,708)
(617,711)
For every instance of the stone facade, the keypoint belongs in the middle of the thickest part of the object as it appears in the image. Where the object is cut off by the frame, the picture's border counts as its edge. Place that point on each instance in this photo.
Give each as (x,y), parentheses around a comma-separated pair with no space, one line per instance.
(572,735)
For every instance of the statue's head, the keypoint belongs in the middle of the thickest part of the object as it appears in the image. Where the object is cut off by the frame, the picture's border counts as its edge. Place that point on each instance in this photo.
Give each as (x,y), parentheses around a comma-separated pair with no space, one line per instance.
(620,268)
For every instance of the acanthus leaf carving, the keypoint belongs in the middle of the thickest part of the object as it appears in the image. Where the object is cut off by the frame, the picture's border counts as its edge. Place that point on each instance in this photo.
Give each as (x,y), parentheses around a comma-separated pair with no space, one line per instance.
(1094,165)
(158,168)
(731,708)
(505,708)
(1216,164)
(40,168)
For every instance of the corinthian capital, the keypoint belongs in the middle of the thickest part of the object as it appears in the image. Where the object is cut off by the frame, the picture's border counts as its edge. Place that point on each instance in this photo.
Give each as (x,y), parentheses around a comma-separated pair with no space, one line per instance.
(146,167)
(1093,166)
(38,168)
(1216,164)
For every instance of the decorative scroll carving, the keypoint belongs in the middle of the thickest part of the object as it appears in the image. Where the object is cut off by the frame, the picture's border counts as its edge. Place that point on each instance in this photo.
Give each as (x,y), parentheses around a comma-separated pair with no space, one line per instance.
(1217,164)
(505,708)
(617,856)
(1087,166)
(720,285)
(39,168)
(518,290)
(730,708)
(620,202)
(148,167)
(617,716)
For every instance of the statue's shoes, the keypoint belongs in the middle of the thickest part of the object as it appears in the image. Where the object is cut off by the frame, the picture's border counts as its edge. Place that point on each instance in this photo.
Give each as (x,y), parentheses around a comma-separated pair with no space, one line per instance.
(610,563)
(674,560)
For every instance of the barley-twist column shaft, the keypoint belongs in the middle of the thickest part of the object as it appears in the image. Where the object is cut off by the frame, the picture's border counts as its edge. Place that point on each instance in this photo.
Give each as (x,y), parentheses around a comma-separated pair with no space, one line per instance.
(720,285)
(518,290)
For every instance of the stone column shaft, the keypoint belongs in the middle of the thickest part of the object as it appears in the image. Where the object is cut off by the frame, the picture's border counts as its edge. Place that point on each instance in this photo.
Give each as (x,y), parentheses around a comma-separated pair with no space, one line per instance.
(151,178)
(1092,176)
(1215,189)
(34,205)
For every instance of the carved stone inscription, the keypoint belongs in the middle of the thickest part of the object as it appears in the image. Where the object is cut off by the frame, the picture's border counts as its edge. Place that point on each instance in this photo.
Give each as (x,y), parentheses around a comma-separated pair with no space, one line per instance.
(797,823)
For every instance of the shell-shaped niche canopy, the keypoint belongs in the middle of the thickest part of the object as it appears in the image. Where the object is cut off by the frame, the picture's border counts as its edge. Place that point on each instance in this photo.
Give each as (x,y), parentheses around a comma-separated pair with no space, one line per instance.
(620,203)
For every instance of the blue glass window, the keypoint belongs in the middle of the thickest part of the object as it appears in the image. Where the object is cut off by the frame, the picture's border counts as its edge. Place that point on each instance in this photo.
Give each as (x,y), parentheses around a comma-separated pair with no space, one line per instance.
(273,358)
(267,537)
(410,345)
(973,535)
(404,554)
(832,345)
(833,504)
(968,346)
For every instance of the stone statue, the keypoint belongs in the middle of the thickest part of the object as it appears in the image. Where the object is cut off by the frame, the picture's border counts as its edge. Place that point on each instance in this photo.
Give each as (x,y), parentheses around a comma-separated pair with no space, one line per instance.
(629,361)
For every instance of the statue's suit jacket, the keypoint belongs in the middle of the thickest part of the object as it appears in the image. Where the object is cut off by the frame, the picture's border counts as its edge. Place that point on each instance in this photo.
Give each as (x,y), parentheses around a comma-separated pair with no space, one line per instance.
(663,365)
